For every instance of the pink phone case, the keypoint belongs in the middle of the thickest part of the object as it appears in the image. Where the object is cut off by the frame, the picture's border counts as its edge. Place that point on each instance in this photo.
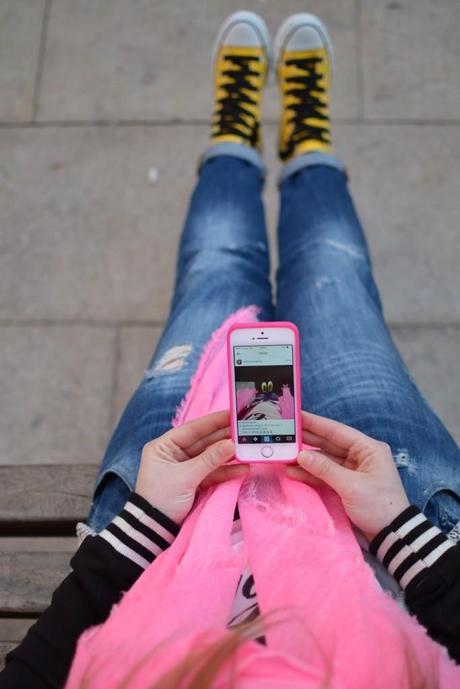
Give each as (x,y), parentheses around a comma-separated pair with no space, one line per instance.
(265,325)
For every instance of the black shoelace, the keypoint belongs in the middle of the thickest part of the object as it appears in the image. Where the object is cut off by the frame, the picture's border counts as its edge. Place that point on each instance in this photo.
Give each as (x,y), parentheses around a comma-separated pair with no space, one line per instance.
(308,105)
(230,109)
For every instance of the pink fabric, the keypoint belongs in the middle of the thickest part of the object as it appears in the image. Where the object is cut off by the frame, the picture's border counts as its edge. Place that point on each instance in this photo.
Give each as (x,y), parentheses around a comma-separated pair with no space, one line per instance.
(306,562)
(286,402)
(244,396)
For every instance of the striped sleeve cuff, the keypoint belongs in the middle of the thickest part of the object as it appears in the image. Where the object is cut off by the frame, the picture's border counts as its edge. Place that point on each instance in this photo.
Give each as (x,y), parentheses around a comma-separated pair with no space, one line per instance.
(140,532)
(409,546)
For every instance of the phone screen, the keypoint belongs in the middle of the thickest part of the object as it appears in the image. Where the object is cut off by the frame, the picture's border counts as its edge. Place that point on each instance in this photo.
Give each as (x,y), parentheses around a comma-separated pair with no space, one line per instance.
(264,386)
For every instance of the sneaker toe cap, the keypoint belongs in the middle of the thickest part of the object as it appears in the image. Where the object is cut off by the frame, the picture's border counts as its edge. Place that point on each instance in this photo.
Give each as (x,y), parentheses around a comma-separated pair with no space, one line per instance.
(242,34)
(305,38)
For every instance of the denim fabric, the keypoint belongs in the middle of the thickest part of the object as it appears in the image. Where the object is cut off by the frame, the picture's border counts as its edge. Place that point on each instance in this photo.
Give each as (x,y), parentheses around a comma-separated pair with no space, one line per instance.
(307,160)
(222,264)
(351,369)
(229,148)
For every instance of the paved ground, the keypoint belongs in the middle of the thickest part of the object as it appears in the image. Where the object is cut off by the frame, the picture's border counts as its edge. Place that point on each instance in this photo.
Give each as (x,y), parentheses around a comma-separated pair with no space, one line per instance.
(95,92)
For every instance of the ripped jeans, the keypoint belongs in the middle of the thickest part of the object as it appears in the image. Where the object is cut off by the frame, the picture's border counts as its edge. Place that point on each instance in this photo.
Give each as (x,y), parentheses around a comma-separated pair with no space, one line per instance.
(351,369)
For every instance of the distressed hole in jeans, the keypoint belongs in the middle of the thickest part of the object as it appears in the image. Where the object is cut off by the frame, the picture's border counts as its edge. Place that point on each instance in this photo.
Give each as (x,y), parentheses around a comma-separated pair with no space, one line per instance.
(323,281)
(402,459)
(171,361)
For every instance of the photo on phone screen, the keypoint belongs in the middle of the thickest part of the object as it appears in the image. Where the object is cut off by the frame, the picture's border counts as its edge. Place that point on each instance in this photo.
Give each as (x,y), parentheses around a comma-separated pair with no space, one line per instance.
(264,386)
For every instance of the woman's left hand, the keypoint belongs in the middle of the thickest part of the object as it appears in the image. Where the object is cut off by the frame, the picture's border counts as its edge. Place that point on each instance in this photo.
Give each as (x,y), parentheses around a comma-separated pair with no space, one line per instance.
(184,458)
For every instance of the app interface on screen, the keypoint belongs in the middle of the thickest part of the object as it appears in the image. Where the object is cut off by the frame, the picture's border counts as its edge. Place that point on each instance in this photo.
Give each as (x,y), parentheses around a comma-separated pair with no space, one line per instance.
(264,384)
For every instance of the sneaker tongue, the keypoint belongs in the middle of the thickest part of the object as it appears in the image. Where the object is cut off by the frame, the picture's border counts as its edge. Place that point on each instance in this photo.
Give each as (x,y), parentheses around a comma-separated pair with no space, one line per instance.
(304,81)
(238,74)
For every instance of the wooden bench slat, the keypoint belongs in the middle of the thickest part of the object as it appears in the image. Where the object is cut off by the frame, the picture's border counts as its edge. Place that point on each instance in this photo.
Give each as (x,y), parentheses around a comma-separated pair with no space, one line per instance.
(5,647)
(14,629)
(34,544)
(28,579)
(45,493)
(12,632)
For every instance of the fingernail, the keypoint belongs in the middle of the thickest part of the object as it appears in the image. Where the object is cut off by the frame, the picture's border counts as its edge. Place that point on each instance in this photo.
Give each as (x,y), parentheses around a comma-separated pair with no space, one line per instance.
(303,456)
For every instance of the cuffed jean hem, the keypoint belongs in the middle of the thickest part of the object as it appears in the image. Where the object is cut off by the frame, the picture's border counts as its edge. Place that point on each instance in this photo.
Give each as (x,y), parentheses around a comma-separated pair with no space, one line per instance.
(454,534)
(230,148)
(308,160)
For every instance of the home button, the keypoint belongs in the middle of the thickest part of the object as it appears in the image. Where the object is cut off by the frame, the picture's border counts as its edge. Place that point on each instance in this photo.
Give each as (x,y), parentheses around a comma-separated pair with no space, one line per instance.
(267,451)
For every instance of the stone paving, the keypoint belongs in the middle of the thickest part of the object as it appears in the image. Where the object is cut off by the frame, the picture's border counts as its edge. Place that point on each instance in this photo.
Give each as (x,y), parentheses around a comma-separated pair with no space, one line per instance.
(95,93)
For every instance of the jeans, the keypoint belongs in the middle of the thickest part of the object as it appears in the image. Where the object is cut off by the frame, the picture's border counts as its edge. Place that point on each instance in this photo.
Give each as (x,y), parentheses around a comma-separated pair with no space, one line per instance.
(351,369)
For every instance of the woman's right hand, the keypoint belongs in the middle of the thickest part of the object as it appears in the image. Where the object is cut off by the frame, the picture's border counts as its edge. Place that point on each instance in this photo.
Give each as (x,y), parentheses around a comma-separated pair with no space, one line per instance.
(360,469)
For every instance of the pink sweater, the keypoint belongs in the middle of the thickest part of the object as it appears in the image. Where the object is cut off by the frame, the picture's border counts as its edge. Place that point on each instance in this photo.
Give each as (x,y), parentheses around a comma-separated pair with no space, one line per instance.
(298,542)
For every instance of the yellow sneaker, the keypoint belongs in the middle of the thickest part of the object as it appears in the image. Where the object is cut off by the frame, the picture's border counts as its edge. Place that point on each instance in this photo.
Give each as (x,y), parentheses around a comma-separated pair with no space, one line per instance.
(303,59)
(241,62)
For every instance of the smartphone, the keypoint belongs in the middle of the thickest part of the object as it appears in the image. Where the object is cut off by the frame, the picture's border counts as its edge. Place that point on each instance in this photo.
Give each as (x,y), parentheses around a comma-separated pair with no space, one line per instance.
(264,391)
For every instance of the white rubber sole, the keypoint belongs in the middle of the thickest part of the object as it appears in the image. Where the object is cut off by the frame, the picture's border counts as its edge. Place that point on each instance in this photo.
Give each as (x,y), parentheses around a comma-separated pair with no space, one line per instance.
(289,26)
(256,22)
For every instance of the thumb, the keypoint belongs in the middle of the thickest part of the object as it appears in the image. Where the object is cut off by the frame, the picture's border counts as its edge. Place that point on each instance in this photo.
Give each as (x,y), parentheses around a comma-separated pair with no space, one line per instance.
(321,466)
(210,459)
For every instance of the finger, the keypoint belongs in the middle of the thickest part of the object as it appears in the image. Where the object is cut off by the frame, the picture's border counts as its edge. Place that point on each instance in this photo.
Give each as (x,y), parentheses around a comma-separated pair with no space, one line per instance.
(212,458)
(317,441)
(225,473)
(322,467)
(333,431)
(299,474)
(192,431)
(213,437)
(341,461)
(180,454)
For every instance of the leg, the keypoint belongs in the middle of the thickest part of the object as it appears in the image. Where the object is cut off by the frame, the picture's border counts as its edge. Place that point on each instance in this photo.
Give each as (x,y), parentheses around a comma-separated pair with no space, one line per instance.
(222,264)
(351,369)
